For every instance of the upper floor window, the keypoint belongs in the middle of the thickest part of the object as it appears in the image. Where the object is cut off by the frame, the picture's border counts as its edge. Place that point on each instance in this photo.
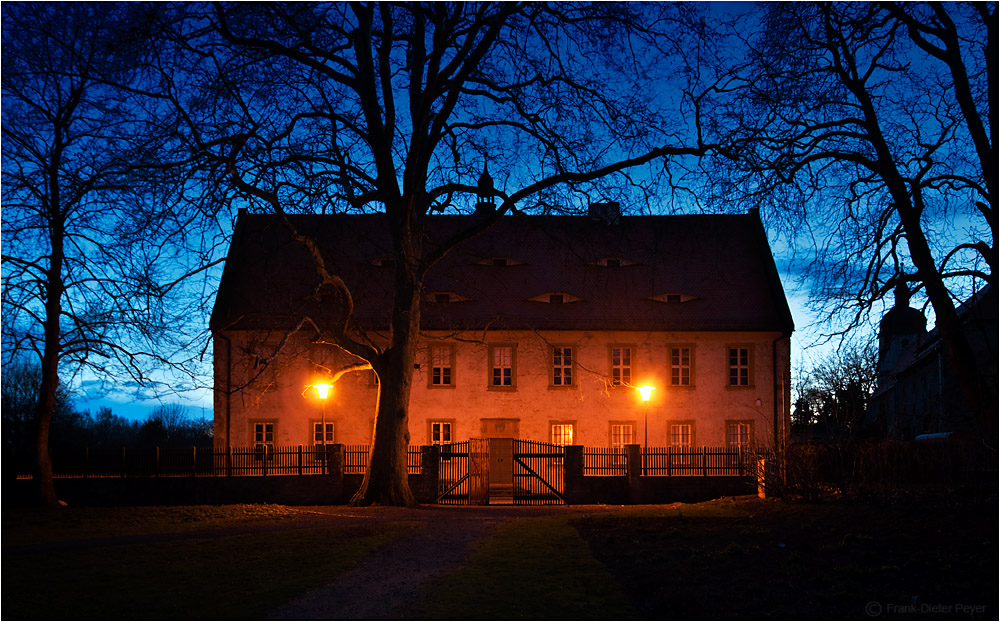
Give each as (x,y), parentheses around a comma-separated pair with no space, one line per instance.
(502,366)
(739,366)
(442,360)
(557,298)
(680,366)
(562,366)
(621,365)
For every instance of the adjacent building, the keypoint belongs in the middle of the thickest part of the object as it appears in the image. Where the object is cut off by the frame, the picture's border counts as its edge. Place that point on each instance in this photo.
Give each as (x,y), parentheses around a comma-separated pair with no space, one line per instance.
(539,328)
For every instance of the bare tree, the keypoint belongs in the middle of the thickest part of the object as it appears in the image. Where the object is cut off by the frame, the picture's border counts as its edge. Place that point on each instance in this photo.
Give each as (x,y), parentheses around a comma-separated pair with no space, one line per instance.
(871,128)
(834,394)
(395,108)
(92,244)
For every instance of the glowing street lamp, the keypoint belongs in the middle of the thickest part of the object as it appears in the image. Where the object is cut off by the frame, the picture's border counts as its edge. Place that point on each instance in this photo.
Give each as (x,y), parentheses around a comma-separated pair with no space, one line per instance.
(323,390)
(645,392)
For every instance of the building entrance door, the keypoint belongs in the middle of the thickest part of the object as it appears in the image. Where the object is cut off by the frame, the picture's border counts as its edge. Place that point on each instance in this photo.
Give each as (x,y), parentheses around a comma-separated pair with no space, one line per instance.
(501,434)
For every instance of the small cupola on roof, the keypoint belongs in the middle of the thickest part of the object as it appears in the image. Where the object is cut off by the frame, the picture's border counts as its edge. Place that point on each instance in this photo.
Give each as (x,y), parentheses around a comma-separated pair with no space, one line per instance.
(485,193)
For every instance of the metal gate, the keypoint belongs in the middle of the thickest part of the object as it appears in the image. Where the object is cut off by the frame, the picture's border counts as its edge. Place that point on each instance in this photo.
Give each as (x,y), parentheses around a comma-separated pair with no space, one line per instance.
(464,473)
(539,473)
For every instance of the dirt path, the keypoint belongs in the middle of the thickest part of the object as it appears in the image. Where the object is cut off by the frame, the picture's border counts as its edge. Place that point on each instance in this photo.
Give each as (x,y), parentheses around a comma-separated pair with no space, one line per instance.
(381,586)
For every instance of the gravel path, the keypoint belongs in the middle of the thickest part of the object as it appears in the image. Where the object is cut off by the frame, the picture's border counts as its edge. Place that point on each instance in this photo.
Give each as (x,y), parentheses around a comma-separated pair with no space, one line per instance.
(392,577)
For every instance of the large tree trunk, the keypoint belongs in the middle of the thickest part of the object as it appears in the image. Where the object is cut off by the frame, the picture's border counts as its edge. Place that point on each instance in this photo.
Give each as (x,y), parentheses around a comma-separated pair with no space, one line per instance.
(44,409)
(386,481)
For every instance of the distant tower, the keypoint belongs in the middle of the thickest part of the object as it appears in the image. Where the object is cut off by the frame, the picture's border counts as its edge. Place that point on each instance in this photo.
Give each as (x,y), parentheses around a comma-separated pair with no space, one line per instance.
(901,327)
(485,193)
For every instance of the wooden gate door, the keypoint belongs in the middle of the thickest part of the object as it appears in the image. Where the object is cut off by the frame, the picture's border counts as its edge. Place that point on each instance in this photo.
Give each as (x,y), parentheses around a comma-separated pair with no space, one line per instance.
(464,473)
(539,473)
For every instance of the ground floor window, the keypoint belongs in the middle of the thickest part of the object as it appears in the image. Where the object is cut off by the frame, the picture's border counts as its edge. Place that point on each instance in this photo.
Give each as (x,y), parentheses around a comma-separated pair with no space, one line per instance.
(622,434)
(739,433)
(440,432)
(322,436)
(562,433)
(263,440)
(680,435)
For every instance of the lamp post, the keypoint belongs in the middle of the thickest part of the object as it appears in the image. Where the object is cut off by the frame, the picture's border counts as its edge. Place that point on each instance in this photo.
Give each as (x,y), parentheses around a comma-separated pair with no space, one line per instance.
(645,391)
(323,390)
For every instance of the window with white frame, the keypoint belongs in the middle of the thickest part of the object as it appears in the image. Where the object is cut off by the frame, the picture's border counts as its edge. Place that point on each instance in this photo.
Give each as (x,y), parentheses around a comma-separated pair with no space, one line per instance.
(441,360)
(562,366)
(680,435)
(263,440)
(501,366)
(739,433)
(622,434)
(621,365)
(440,432)
(562,433)
(680,366)
(322,434)
(739,367)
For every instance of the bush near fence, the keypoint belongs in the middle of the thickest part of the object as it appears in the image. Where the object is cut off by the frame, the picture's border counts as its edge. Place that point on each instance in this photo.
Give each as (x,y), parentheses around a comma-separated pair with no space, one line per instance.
(880,468)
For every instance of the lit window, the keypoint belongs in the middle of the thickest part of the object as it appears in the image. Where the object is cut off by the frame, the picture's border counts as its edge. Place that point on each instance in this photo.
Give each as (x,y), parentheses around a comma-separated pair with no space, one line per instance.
(502,366)
(680,367)
(739,367)
(441,366)
(562,433)
(621,366)
(562,367)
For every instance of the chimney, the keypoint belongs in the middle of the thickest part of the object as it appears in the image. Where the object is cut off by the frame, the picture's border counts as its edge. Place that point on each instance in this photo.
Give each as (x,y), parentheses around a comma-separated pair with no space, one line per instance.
(608,212)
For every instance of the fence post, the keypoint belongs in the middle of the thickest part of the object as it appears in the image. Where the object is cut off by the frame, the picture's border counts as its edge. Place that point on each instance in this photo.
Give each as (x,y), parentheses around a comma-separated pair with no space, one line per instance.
(123,462)
(704,461)
(156,461)
(229,461)
(670,461)
(633,469)
(194,461)
(574,490)
(300,459)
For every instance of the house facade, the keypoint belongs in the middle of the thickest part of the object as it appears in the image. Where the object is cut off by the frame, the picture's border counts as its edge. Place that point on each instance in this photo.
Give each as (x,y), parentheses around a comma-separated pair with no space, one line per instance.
(540,328)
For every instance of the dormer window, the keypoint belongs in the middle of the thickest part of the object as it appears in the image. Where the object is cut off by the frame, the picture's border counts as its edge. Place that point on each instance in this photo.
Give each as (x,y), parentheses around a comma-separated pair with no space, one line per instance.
(673,298)
(445,297)
(556,298)
(613,262)
(500,262)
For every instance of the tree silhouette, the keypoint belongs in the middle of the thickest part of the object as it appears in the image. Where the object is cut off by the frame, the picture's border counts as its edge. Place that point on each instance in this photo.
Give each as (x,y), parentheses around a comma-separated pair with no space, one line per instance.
(872,127)
(91,239)
(395,108)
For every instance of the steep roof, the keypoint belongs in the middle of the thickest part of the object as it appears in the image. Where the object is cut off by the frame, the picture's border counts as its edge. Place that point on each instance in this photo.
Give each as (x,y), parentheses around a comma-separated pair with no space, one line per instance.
(688,272)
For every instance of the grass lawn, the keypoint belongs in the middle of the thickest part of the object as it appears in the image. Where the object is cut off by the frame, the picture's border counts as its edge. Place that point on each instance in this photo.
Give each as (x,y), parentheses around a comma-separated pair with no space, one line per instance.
(104,564)
(532,568)
(740,558)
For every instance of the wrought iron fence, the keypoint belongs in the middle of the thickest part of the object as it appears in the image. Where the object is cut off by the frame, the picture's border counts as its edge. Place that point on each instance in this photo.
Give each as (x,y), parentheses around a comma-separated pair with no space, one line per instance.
(356,459)
(701,461)
(260,459)
(605,461)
